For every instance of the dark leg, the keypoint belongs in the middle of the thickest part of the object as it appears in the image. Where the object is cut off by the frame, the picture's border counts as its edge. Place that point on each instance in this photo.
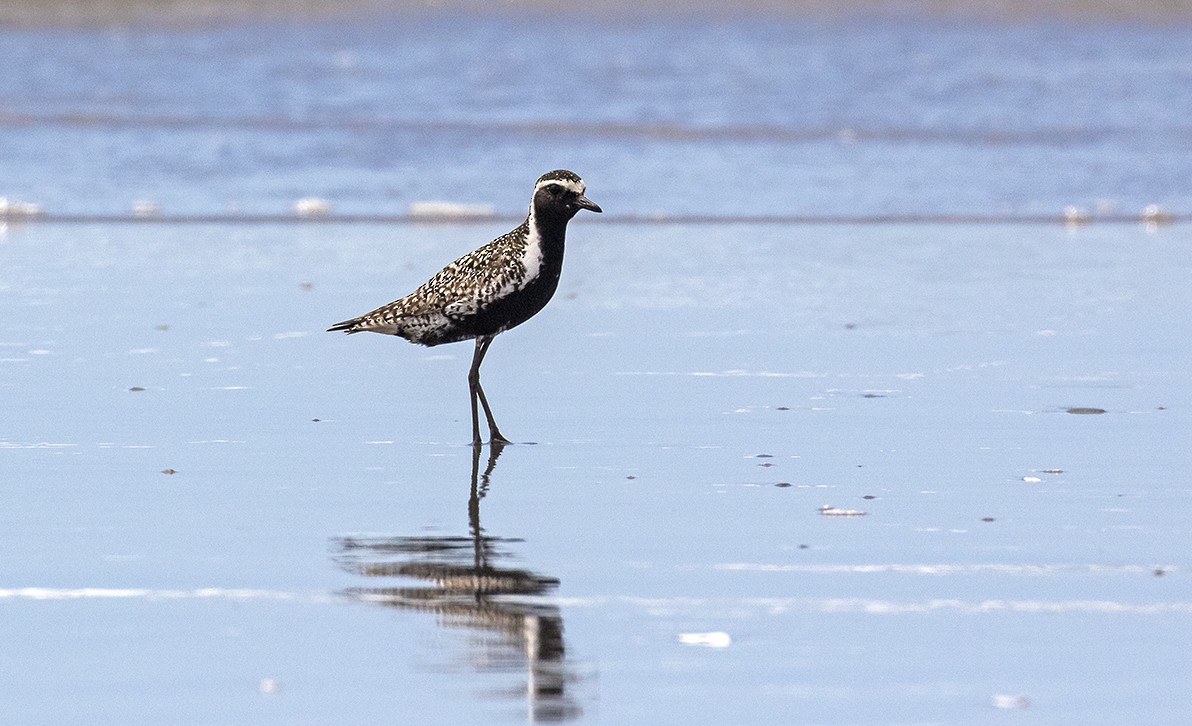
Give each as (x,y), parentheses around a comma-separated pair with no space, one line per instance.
(478,393)
(479,489)
(473,383)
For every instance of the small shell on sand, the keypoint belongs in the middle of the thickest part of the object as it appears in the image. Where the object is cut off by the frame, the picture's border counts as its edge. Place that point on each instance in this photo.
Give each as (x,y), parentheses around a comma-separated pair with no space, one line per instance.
(830,511)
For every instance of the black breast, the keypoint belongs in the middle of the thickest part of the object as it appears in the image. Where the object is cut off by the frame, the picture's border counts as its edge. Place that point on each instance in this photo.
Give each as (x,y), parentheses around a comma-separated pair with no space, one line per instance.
(520,305)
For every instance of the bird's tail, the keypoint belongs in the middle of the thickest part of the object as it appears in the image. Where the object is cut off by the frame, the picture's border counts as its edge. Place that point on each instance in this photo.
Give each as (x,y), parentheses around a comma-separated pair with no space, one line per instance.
(348,326)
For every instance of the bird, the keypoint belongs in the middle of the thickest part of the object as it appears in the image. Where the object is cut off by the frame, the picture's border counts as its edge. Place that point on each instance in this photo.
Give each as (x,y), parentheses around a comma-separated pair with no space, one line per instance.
(495,287)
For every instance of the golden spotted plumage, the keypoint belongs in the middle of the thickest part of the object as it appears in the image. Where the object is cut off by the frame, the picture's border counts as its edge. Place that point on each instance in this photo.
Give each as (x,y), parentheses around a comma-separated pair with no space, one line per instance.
(457,290)
(489,290)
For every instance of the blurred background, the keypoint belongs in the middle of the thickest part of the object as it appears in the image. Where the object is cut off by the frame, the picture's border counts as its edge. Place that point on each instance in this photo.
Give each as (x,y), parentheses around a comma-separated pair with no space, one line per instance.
(770,108)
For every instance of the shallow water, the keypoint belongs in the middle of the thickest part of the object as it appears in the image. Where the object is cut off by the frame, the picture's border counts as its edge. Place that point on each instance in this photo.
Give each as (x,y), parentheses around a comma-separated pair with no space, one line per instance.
(919,374)
(213,512)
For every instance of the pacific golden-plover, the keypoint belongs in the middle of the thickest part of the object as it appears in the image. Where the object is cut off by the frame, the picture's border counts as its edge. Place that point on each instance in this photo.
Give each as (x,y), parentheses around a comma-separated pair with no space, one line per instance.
(489,290)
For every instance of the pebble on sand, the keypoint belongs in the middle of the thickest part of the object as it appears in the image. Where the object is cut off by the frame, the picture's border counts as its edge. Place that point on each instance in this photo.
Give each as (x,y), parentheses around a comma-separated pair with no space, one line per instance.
(830,511)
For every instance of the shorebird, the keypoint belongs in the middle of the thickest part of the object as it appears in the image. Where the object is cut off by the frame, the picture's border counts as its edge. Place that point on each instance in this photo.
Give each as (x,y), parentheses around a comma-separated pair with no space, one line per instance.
(489,290)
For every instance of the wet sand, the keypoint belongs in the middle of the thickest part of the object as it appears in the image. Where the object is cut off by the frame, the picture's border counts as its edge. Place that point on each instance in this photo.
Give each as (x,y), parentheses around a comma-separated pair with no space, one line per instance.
(770,466)
(212,506)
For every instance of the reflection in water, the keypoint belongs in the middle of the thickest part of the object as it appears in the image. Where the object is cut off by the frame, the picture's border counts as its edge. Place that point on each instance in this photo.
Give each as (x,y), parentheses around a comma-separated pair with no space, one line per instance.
(467,590)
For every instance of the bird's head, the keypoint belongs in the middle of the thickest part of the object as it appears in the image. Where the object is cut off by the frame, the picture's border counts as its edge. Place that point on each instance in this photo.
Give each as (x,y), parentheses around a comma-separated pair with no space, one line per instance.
(560,193)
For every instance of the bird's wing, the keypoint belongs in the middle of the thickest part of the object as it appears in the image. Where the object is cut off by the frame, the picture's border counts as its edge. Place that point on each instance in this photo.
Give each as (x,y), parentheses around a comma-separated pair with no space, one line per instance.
(457,291)
(463,287)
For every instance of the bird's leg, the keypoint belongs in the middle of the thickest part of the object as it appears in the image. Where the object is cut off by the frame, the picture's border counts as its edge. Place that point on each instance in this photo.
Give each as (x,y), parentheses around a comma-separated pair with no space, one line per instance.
(495,436)
(477,392)
(476,442)
(473,384)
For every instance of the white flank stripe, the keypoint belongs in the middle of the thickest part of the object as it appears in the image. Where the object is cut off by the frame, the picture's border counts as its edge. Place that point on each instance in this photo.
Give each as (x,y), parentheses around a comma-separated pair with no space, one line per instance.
(533,257)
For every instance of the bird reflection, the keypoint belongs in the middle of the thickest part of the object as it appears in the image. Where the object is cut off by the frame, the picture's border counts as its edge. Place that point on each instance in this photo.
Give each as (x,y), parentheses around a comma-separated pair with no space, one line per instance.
(467,590)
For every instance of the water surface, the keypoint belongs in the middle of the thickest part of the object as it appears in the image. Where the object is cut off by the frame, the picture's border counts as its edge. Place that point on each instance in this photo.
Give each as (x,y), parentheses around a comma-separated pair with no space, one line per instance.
(213,512)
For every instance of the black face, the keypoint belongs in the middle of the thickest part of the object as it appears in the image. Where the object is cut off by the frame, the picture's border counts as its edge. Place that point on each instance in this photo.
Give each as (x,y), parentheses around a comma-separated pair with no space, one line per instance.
(560,199)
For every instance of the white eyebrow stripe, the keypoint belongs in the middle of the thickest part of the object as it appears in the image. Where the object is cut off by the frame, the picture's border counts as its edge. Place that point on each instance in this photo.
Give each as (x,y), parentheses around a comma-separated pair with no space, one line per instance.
(576,187)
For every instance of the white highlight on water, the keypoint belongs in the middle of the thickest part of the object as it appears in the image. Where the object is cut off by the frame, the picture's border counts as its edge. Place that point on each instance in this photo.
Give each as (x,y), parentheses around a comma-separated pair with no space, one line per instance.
(140,593)
(660,607)
(946,569)
(717,639)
